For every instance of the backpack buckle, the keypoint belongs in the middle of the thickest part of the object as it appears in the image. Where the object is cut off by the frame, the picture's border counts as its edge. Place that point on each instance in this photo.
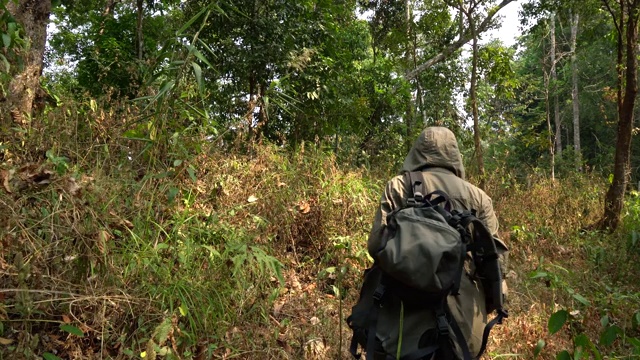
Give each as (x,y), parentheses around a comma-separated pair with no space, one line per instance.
(417,196)
(378,295)
(443,325)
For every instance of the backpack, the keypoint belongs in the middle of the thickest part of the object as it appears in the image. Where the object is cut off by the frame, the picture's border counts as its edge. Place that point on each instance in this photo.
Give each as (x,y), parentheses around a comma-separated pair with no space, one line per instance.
(434,281)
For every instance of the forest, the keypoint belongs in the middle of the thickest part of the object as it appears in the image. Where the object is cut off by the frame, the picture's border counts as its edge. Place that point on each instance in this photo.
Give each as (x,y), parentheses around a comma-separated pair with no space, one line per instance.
(197,179)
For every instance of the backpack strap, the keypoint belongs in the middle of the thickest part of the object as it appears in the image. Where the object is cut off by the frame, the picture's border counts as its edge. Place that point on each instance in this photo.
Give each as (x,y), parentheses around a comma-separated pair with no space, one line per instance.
(488,264)
(416,184)
(378,297)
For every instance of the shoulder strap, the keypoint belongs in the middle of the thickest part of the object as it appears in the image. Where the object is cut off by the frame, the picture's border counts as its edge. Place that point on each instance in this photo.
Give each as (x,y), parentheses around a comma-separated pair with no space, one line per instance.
(416,184)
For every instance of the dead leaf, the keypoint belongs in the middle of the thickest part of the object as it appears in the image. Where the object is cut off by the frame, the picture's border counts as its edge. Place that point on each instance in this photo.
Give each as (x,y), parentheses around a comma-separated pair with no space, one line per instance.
(4,341)
(315,349)
(252,199)
(281,184)
(66,319)
(304,207)
(277,308)
(337,201)
(5,176)
(103,237)
(72,186)
(314,321)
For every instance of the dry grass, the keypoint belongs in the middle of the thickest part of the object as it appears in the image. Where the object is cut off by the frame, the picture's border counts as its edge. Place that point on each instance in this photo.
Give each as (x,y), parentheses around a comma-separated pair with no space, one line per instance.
(255,254)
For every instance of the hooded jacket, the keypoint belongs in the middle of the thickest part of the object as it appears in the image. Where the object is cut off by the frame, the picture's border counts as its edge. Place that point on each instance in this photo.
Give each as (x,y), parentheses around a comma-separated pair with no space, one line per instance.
(435,153)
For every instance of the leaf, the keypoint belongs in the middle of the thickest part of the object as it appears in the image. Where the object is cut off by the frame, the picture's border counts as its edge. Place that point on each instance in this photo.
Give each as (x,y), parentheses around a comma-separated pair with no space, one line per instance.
(197,72)
(72,330)
(6,40)
(252,199)
(557,320)
(635,320)
(183,310)
(582,299)
(177,163)
(609,335)
(50,356)
(539,274)
(190,22)
(5,341)
(5,176)
(539,346)
(200,57)
(212,252)
(66,319)
(583,343)
(172,193)
(163,330)
(564,355)
(192,173)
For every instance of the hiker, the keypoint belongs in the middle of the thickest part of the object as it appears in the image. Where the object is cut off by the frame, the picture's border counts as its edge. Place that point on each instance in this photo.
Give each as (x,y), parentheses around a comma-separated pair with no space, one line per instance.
(435,153)
(426,331)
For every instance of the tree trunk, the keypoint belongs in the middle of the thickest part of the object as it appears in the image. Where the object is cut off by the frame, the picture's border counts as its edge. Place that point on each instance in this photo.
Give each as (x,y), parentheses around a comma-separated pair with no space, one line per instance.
(473,97)
(574,93)
(410,112)
(554,81)
(550,137)
(33,15)
(614,198)
(139,35)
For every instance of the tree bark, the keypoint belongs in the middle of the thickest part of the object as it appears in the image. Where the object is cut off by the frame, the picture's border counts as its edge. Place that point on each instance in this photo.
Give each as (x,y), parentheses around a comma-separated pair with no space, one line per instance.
(614,198)
(554,84)
(574,93)
(410,112)
(33,15)
(473,97)
(139,35)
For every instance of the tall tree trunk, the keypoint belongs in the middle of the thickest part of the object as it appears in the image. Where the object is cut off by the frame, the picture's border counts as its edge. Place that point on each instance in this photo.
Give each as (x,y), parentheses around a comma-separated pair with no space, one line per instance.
(554,81)
(419,92)
(548,114)
(473,96)
(410,112)
(614,198)
(574,93)
(33,15)
(139,35)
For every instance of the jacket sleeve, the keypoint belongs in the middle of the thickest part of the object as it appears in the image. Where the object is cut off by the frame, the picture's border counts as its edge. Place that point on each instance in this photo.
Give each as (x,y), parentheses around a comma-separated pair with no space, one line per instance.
(487,215)
(391,199)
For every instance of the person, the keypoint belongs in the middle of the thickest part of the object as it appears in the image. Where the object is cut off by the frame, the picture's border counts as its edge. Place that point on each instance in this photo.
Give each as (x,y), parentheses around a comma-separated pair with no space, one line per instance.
(435,153)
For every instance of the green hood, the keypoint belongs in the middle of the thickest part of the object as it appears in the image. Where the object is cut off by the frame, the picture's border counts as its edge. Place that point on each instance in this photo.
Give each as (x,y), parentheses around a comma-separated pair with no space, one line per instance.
(435,147)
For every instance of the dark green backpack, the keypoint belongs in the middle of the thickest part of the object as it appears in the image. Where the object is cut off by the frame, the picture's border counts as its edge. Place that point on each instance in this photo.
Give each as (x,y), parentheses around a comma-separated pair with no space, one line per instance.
(434,281)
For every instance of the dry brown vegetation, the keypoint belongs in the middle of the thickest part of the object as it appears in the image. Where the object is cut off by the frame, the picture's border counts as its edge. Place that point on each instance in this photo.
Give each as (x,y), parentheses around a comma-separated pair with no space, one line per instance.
(257,254)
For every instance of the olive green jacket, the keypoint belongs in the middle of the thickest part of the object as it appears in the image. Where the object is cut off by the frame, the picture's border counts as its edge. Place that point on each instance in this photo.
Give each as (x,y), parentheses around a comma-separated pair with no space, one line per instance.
(436,154)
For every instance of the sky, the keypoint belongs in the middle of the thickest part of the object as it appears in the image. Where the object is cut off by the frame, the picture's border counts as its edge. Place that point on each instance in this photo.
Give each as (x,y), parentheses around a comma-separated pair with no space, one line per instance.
(509,30)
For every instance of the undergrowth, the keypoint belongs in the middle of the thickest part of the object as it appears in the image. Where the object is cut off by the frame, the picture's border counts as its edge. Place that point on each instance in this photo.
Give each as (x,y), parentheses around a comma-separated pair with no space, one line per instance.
(215,252)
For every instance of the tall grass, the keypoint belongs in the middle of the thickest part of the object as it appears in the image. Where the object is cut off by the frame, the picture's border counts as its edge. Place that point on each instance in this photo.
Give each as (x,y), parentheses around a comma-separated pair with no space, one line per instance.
(219,253)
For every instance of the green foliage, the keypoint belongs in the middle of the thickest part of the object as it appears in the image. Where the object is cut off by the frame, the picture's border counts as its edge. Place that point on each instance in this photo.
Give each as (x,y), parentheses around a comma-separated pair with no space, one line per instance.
(13,44)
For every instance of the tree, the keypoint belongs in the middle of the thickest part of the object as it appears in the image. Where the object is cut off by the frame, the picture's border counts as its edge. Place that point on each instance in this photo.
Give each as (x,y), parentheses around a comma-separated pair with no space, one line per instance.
(575,101)
(625,18)
(553,50)
(33,15)
(464,35)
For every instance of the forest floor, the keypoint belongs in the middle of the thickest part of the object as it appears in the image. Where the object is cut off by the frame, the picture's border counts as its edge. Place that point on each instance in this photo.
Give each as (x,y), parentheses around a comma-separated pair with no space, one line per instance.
(260,256)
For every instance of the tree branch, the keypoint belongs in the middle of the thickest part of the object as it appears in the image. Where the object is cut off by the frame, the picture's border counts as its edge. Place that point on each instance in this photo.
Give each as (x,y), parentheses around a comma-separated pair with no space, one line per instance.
(613,15)
(463,39)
